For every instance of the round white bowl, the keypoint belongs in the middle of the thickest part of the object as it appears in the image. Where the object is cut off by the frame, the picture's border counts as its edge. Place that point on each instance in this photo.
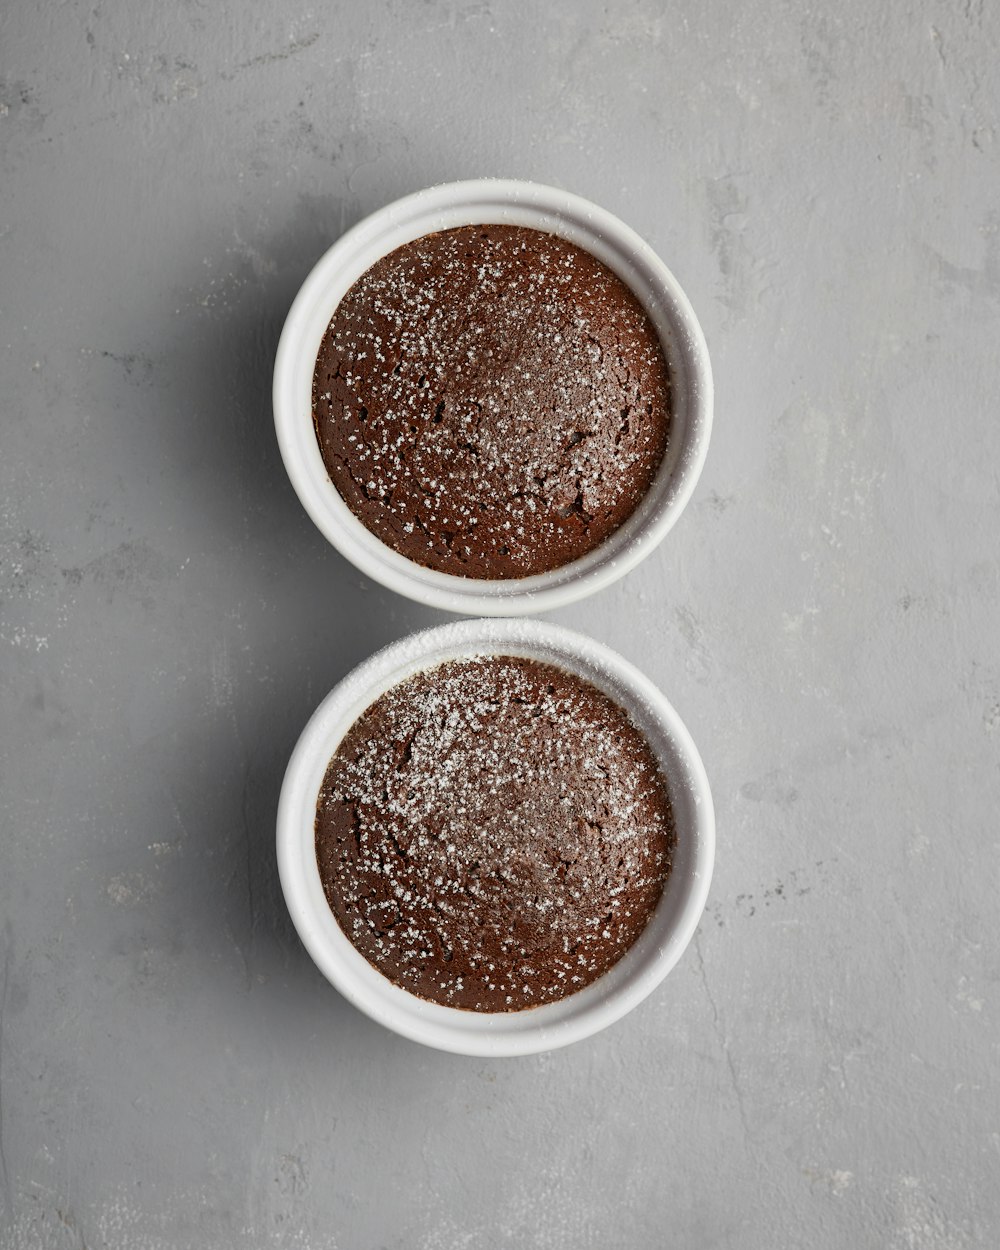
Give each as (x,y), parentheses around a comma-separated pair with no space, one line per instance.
(605,1000)
(494,201)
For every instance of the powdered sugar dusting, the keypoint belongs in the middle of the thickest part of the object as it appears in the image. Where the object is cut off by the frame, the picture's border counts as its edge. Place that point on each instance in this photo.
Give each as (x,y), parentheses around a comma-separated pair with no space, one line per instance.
(491,401)
(494,833)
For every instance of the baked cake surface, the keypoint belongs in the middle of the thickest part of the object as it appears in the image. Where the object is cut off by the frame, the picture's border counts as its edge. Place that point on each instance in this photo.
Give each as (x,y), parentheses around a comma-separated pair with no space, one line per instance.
(491,401)
(493,833)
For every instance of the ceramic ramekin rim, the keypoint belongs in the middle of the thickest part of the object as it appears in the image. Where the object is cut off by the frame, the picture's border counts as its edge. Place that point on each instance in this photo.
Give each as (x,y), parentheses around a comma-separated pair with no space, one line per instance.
(552,1025)
(450,204)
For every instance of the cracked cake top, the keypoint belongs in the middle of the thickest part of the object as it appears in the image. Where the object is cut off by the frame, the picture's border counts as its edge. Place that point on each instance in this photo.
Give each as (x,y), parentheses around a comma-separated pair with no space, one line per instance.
(491,401)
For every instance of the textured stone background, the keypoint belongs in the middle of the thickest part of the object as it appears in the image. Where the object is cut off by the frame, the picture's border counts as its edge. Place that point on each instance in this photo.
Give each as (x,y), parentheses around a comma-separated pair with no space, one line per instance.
(821,1069)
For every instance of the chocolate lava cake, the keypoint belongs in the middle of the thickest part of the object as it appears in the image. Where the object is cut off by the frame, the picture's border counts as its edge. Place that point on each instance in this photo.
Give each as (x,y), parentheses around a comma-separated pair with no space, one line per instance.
(491,401)
(493,833)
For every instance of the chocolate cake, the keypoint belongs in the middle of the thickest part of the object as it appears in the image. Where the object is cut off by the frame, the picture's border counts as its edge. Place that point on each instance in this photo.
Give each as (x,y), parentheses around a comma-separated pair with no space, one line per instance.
(493,833)
(491,401)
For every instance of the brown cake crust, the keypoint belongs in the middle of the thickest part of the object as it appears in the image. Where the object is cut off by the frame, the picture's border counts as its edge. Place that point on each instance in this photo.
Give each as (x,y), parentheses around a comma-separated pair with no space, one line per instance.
(491,401)
(493,833)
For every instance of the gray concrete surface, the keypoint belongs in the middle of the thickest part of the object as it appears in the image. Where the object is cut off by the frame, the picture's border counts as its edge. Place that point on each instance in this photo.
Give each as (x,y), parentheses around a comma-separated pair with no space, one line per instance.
(821,1070)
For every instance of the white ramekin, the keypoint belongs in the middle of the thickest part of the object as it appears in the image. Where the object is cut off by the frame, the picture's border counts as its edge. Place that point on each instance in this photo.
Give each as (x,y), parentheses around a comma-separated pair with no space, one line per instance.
(496,201)
(625,985)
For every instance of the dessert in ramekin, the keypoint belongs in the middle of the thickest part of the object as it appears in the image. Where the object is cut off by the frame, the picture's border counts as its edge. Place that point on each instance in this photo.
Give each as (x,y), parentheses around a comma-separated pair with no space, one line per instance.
(493,397)
(656,853)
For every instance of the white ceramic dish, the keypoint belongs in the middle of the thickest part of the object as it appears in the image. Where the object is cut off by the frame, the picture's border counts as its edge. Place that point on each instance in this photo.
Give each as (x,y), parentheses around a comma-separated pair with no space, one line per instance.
(512,203)
(554,1024)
